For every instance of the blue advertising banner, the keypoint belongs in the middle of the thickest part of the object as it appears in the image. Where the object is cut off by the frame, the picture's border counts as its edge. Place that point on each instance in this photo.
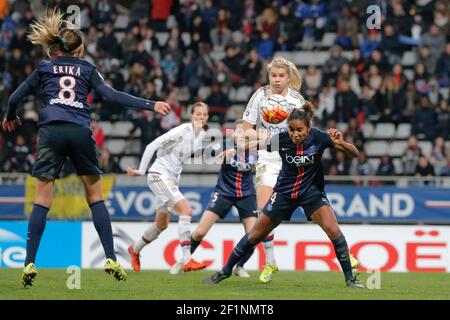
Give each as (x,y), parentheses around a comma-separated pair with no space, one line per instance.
(60,245)
(351,204)
(12,200)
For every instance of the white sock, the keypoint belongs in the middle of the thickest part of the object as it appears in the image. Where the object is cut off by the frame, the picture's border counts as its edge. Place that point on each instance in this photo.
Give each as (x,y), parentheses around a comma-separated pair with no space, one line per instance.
(184,233)
(149,235)
(268,249)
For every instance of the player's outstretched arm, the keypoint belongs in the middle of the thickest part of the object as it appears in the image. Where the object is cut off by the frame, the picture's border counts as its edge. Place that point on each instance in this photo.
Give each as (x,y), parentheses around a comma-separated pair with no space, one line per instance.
(125,99)
(339,144)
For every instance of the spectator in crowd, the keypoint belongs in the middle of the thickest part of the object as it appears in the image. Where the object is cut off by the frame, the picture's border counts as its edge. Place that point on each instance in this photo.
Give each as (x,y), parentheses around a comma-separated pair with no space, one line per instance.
(326,103)
(393,100)
(109,163)
(130,41)
(107,44)
(377,58)
(173,119)
(424,121)
(233,60)
(137,61)
(19,41)
(170,68)
(252,68)
(150,42)
(20,157)
(391,45)
(4,9)
(331,68)
(312,81)
(353,132)
(209,13)
(347,29)
(428,59)
(443,67)
(410,156)
(374,78)
(346,103)
(160,12)
(265,46)
(435,39)
(105,12)
(386,167)
(361,167)
(424,169)
(288,27)
(98,134)
(343,164)
(443,120)
(220,35)
(218,103)
(370,43)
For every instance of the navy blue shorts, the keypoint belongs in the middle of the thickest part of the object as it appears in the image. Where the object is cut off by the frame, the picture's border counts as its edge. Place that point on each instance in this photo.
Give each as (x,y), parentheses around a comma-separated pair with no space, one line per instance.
(281,206)
(60,140)
(221,205)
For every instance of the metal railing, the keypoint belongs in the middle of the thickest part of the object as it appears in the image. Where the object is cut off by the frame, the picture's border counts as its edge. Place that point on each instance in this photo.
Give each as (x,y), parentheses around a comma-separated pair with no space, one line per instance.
(207,180)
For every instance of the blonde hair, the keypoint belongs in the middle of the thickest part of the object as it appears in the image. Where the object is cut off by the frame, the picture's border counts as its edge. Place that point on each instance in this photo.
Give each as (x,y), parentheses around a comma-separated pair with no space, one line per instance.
(295,79)
(57,34)
(199,104)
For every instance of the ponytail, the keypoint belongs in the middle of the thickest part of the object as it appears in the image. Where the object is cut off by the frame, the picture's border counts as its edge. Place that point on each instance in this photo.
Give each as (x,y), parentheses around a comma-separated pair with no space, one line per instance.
(308,107)
(295,79)
(305,115)
(57,34)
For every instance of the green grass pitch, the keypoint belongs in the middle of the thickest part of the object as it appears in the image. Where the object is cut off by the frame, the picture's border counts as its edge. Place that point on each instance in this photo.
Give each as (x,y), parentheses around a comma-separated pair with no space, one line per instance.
(160,285)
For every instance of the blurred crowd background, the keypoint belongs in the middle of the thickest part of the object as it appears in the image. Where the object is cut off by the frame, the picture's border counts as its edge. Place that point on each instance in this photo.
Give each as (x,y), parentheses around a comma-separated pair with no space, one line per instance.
(387,88)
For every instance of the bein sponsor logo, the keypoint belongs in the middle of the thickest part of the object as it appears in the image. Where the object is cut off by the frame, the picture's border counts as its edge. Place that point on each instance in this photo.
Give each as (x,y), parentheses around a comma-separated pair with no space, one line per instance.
(300,160)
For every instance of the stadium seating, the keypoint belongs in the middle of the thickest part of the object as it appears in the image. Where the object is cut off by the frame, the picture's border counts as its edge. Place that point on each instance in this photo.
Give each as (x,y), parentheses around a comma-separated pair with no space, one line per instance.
(384,131)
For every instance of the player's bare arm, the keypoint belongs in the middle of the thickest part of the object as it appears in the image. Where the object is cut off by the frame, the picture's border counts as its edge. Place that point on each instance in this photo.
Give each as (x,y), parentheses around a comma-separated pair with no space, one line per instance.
(338,139)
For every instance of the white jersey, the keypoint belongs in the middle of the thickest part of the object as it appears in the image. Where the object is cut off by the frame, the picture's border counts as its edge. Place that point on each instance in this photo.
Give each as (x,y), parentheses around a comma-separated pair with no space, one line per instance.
(172,149)
(252,115)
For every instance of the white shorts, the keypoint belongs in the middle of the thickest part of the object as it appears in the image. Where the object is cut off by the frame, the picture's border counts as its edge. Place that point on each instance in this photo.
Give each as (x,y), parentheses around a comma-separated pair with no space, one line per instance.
(267,173)
(165,190)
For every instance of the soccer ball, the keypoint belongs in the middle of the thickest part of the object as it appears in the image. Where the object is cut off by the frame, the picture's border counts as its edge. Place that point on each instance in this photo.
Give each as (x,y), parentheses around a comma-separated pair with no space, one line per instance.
(275,110)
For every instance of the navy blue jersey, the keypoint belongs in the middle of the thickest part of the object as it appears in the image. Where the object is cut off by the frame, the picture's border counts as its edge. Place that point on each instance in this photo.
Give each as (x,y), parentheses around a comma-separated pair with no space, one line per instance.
(236,174)
(302,169)
(65,83)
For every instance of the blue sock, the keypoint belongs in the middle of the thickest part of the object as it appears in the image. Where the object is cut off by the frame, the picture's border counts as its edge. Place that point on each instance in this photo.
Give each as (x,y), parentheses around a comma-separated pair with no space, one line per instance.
(102,224)
(36,227)
(343,256)
(240,251)
(245,258)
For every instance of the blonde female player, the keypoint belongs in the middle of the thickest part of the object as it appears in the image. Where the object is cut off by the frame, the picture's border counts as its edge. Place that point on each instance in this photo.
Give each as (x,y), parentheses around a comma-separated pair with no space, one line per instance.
(172,150)
(284,80)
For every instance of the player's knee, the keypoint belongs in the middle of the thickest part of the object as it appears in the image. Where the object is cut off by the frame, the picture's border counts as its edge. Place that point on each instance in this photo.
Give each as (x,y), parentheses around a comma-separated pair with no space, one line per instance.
(93,198)
(255,237)
(162,225)
(44,202)
(187,211)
